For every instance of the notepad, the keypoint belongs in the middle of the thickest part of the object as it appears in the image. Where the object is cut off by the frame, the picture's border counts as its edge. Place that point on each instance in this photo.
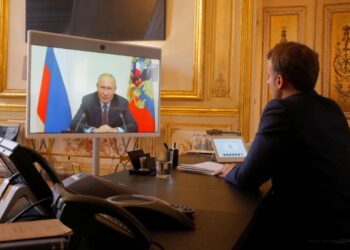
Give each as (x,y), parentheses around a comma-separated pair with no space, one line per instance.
(207,168)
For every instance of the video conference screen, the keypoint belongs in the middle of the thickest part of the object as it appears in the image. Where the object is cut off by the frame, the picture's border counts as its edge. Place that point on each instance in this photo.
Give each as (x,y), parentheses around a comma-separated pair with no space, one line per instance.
(65,95)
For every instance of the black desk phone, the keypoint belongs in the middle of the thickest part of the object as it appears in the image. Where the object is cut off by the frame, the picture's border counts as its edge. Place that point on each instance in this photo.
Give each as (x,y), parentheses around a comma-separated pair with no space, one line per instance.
(95,220)
(98,222)
(155,213)
(150,211)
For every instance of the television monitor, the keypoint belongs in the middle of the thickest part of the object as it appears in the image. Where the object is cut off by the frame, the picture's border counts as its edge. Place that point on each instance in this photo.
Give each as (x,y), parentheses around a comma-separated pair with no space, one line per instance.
(102,19)
(64,69)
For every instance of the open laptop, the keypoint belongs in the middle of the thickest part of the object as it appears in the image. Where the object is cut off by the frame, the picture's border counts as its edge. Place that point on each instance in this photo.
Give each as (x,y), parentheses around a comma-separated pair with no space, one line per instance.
(229,148)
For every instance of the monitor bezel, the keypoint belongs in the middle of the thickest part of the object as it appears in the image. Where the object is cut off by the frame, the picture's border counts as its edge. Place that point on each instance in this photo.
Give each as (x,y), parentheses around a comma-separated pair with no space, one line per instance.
(92,45)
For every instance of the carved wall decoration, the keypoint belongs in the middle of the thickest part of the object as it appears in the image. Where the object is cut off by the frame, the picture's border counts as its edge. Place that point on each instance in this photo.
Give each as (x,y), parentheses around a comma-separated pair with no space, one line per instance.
(283,35)
(341,66)
(276,22)
(220,89)
(336,55)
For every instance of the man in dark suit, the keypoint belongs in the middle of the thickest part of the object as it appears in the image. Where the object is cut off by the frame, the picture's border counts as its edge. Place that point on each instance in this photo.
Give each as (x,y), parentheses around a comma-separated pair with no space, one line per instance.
(104,111)
(303,145)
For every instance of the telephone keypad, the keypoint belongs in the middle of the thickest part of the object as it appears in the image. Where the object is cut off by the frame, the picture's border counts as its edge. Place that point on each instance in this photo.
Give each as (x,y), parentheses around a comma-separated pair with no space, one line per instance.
(184,209)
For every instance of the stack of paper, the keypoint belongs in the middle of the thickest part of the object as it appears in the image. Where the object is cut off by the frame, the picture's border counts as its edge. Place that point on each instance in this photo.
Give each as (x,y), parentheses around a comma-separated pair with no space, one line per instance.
(207,167)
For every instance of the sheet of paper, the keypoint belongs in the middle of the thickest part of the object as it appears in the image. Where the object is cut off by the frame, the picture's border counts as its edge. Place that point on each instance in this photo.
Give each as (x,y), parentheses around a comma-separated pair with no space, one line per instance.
(33,229)
(207,167)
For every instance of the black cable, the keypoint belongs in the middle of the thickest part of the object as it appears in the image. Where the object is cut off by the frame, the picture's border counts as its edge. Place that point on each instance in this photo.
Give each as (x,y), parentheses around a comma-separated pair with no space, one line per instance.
(27,209)
(158,245)
(29,217)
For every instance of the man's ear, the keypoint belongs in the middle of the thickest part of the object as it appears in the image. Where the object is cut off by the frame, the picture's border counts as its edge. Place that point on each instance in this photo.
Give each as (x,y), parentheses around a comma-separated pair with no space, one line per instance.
(280,82)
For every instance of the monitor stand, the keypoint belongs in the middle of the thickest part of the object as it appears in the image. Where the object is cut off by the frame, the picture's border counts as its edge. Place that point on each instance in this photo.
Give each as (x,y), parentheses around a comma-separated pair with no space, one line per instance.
(14,198)
(95,156)
(96,153)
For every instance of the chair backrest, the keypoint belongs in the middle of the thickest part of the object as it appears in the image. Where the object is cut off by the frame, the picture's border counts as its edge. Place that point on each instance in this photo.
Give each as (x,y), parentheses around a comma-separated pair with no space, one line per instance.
(9,132)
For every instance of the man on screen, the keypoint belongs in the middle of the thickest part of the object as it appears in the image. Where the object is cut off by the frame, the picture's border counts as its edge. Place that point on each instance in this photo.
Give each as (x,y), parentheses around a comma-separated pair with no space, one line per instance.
(104,111)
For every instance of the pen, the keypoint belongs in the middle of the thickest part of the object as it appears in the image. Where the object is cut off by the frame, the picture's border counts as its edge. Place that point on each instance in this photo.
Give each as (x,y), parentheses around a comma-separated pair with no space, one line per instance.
(166,146)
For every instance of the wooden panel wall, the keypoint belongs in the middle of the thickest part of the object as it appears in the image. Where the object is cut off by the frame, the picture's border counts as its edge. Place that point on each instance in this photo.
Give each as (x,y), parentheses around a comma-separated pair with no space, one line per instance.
(320,24)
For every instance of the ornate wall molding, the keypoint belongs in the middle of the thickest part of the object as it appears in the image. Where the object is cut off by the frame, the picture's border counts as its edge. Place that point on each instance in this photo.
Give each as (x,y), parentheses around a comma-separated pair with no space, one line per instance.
(246,67)
(3,43)
(197,90)
(220,46)
(13,107)
(4,24)
(198,111)
(335,73)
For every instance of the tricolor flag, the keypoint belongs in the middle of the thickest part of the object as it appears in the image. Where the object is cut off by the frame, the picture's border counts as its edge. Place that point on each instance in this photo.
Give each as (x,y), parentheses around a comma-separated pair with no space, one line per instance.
(53,106)
(140,94)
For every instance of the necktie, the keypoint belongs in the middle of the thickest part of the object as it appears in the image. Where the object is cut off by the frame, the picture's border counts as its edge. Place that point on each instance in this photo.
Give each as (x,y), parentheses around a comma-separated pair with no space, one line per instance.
(105,114)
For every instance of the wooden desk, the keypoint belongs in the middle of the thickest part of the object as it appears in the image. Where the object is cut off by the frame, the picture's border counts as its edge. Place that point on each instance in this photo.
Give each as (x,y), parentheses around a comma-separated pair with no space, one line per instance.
(221,212)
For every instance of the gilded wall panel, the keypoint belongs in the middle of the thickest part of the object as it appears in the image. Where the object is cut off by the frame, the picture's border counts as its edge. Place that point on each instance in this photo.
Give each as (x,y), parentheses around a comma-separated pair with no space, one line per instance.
(245,66)
(280,24)
(336,51)
(196,92)
(222,21)
(5,92)
(3,43)
(191,91)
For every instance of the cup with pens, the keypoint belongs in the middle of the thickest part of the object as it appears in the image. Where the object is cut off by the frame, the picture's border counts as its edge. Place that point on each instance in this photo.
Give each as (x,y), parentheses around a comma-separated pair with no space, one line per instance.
(172,154)
(164,167)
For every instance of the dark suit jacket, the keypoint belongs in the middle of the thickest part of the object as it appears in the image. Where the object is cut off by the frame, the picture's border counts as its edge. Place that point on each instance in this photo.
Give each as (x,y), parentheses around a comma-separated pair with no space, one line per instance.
(303,145)
(91,107)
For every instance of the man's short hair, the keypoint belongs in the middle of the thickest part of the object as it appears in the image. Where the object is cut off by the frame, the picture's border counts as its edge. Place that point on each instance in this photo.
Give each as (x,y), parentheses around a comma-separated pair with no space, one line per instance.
(297,63)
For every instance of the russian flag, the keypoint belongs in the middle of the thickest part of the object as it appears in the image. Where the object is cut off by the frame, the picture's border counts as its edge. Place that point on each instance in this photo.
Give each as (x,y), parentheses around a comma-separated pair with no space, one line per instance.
(141,102)
(53,107)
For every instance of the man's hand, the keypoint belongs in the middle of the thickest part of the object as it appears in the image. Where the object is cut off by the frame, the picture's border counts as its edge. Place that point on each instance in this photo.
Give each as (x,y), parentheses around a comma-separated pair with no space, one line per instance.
(106,129)
(225,169)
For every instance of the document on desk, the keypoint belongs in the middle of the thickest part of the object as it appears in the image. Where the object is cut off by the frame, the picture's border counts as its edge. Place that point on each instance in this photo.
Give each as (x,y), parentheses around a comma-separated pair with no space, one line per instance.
(207,168)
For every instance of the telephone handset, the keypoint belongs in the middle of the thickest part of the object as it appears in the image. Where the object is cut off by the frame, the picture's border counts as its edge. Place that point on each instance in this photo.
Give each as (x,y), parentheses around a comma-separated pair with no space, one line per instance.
(156,213)
(97,222)
(26,165)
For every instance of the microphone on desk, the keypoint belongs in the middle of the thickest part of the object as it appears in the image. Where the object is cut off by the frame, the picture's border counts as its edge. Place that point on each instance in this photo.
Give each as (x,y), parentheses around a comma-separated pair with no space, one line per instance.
(124,126)
(78,124)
